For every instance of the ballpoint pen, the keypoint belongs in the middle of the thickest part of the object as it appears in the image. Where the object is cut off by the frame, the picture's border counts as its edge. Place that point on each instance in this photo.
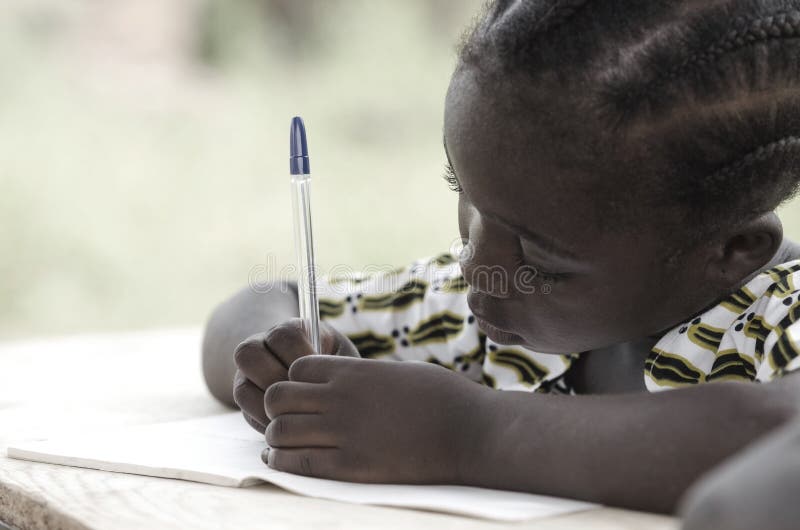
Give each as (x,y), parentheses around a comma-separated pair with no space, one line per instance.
(300,171)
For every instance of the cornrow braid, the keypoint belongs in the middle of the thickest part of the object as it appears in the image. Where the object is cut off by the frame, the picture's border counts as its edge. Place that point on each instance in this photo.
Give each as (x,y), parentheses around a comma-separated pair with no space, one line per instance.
(690,107)
(559,14)
(761,154)
(630,95)
(710,195)
(539,18)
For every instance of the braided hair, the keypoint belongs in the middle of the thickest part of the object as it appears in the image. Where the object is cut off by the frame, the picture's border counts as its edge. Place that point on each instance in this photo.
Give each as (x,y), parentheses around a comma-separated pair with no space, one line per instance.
(690,107)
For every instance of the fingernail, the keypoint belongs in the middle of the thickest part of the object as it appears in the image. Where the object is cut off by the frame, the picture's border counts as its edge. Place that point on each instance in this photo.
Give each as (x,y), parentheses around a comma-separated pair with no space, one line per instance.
(265,456)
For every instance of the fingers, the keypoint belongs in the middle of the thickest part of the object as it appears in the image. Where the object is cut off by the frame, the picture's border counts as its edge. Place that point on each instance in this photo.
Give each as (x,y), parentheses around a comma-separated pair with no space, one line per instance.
(257,363)
(320,368)
(288,341)
(299,430)
(290,397)
(265,358)
(253,423)
(332,342)
(250,399)
(314,462)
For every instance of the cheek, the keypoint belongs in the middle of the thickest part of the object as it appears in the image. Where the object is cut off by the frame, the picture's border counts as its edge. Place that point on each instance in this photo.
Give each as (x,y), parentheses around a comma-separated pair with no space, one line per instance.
(619,307)
(572,317)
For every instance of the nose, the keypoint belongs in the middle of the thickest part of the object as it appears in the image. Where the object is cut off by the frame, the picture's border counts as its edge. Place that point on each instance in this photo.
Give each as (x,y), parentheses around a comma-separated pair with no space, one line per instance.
(487,258)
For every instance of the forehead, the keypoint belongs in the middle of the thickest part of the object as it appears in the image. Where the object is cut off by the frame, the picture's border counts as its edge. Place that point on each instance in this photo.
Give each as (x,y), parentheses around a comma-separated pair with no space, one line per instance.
(512,162)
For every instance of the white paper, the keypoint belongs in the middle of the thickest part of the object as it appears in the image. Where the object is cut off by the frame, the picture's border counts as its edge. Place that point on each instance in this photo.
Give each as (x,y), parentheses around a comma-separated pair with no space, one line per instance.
(225,451)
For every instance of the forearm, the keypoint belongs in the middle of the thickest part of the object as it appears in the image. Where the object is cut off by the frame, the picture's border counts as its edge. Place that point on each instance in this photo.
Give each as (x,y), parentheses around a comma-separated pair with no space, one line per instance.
(757,488)
(640,451)
(244,314)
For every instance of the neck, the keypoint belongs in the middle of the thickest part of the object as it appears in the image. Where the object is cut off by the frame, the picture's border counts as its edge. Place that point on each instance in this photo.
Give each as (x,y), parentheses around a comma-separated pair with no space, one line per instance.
(787,251)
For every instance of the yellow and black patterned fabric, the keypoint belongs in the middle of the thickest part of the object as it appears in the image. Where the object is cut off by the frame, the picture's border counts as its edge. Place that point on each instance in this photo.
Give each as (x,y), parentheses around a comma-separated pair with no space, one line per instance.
(751,335)
(420,312)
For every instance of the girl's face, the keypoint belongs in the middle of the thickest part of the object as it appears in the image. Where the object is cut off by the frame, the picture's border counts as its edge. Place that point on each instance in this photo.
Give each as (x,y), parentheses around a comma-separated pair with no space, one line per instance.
(541,273)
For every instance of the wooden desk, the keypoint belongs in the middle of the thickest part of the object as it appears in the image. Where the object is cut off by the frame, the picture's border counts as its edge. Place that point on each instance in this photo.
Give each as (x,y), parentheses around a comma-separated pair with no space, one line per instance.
(53,386)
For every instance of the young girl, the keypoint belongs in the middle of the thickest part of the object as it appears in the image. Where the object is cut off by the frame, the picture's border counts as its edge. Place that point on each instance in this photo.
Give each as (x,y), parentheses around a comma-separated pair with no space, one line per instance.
(618,166)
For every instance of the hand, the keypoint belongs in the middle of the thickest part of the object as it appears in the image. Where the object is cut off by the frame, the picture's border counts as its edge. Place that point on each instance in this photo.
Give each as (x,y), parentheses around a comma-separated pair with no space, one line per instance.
(368,420)
(264,358)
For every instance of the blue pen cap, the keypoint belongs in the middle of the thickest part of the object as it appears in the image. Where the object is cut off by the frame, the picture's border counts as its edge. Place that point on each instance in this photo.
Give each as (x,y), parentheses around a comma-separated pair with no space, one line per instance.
(298,148)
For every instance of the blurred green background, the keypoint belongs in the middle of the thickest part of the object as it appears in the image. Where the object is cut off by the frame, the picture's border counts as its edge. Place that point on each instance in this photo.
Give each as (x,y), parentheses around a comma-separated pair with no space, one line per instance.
(143,148)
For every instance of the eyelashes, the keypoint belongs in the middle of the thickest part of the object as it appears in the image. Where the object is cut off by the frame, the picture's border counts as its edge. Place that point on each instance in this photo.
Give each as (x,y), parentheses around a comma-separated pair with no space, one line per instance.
(551,277)
(451,179)
(546,277)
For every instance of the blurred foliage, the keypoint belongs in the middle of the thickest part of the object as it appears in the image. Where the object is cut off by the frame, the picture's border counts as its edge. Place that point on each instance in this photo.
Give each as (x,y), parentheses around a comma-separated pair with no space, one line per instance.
(143,160)
(143,148)
(295,29)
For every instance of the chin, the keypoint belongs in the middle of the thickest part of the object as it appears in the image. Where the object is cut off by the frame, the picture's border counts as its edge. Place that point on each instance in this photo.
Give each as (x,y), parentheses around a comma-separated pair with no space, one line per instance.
(506,338)
(546,350)
(543,347)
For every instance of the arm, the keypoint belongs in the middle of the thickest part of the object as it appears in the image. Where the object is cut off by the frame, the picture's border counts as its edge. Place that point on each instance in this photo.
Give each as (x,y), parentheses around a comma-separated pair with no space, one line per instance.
(757,488)
(387,422)
(640,451)
(245,313)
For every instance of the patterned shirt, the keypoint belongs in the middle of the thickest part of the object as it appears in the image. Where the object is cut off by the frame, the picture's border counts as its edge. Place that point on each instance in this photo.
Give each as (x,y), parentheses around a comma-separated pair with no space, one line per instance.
(420,312)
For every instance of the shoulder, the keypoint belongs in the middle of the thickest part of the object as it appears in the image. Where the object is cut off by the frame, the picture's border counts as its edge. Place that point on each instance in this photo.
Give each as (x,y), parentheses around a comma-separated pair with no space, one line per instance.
(420,306)
(753,334)
(438,273)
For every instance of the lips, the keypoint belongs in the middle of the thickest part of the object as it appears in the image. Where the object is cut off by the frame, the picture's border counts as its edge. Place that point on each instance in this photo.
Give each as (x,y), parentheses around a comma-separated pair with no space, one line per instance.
(494,331)
(499,336)
(478,305)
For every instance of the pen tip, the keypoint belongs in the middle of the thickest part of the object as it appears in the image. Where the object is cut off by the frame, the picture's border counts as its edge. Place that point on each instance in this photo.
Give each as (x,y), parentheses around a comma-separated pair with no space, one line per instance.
(298,148)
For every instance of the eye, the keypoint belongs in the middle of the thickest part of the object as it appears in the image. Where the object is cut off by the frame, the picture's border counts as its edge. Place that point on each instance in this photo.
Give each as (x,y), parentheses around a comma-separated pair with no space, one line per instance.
(451,179)
(546,276)
(552,277)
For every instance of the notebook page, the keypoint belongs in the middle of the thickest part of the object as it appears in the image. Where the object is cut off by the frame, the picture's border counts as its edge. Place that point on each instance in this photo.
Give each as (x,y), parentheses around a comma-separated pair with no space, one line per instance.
(225,451)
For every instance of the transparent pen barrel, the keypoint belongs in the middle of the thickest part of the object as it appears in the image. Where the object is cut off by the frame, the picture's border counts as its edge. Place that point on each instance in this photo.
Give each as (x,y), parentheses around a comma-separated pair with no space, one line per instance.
(304,252)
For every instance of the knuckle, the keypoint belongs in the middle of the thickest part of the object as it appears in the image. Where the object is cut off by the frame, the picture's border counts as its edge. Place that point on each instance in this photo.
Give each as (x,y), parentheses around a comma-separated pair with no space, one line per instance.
(331,341)
(271,432)
(238,379)
(273,393)
(253,423)
(276,431)
(272,396)
(248,410)
(238,394)
(246,348)
(239,354)
(346,348)
(298,367)
(326,331)
(287,331)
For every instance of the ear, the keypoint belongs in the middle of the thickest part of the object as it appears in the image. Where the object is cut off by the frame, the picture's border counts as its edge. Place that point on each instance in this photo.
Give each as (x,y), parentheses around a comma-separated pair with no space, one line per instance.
(744,250)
